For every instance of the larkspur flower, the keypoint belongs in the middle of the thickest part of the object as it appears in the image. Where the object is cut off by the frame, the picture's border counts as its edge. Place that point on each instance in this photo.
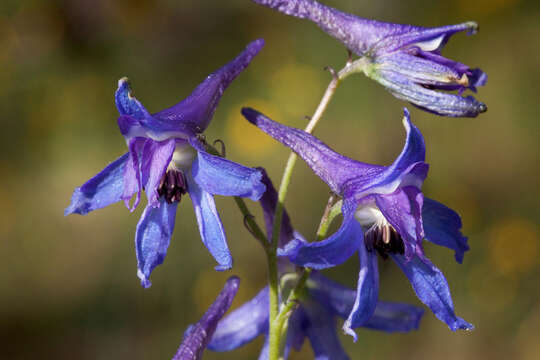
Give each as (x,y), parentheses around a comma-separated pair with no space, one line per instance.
(198,335)
(385,212)
(405,59)
(167,158)
(315,318)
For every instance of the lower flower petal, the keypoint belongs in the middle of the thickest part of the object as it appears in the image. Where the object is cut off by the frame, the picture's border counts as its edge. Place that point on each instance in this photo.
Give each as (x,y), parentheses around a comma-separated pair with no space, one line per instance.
(242,325)
(367,291)
(395,317)
(332,251)
(403,209)
(321,332)
(106,188)
(432,289)
(210,226)
(442,226)
(197,336)
(152,238)
(220,176)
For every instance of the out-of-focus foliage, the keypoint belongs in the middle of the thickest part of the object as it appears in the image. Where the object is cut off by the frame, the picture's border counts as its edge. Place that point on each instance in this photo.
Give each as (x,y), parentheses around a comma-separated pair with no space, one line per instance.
(68,285)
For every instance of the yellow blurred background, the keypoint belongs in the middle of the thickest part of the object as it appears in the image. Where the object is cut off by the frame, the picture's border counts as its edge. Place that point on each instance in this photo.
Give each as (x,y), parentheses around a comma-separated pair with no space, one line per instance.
(69,287)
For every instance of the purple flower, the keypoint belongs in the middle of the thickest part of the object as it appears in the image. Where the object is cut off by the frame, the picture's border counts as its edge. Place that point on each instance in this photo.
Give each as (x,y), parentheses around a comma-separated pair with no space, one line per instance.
(197,336)
(315,317)
(167,158)
(383,212)
(405,59)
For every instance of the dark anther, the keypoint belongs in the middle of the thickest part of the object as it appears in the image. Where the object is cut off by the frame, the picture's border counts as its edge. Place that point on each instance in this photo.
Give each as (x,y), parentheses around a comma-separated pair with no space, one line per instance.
(223,151)
(332,71)
(307,117)
(385,240)
(172,186)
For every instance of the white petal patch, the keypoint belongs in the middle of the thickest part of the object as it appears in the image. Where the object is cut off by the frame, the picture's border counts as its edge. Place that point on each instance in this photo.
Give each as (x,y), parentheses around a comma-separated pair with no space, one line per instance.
(183,156)
(430,45)
(369,215)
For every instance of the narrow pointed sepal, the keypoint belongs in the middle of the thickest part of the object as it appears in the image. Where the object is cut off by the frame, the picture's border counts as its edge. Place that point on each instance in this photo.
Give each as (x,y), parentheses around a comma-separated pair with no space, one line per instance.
(442,226)
(432,289)
(198,335)
(152,238)
(106,188)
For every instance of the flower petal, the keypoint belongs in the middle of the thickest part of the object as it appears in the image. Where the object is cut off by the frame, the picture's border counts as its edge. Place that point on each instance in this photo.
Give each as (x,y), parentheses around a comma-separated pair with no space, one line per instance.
(197,336)
(367,292)
(334,169)
(152,238)
(332,251)
(403,211)
(220,176)
(363,35)
(210,226)
(242,325)
(431,287)
(126,103)
(156,157)
(197,109)
(106,188)
(388,316)
(395,317)
(132,172)
(437,102)
(442,226)
(321,331)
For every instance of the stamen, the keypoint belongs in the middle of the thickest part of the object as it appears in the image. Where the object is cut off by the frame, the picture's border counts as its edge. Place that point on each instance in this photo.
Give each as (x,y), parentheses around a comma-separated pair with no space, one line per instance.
(172,186)
(385,240)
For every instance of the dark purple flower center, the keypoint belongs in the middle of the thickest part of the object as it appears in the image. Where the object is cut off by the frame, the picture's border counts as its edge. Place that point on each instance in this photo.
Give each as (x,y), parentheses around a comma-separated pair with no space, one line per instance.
(385,239)
(172,186)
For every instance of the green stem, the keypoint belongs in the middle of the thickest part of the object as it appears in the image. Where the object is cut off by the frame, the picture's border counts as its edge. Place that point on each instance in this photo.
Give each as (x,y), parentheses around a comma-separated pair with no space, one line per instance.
(330,212)
(274,326)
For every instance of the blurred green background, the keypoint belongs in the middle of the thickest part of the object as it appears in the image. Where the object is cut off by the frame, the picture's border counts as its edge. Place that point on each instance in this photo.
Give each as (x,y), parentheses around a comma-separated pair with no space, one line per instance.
(69,287)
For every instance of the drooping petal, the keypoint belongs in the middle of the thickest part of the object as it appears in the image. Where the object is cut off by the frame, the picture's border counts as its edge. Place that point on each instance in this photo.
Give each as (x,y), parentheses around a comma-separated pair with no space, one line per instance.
(242,325)
(432,289)
(197,109)
(395,317)
(334,169)
(367,291)
(442,226)
(152,238)
(106,188)
(220,176)
(197,336)
(321,332)
(210,226)
(437,102)
(156,157)
(403,210)
(332,251)
(268,204)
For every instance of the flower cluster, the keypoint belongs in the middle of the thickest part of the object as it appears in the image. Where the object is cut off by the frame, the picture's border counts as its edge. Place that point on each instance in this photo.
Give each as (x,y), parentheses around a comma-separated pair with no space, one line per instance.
(384,211)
